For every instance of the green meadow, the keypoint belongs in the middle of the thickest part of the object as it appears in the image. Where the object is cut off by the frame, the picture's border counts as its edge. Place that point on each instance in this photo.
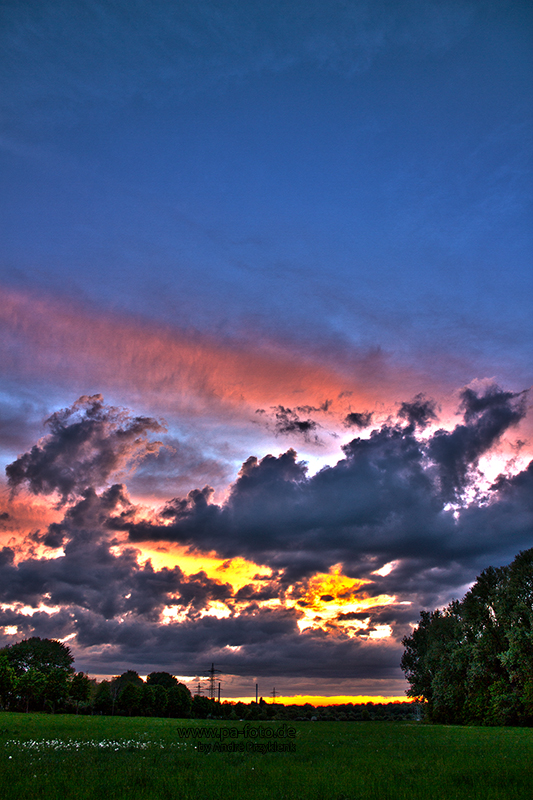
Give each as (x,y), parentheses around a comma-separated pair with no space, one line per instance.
(61,757)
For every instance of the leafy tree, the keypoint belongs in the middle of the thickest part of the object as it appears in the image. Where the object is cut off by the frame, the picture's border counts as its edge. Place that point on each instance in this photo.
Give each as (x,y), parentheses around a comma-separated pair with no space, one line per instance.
(80,690)
(203,707)
(146,700)
(43,655)
(130,700)
(56,688)
(119,683)
(7,681)
(164,679)
(42,669)
(30,687)
(513,697)
(179,701)
(159,700)
(473,662)
(103,699)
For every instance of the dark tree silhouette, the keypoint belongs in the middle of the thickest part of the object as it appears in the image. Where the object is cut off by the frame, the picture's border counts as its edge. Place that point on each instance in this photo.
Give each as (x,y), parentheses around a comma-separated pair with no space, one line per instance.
(130,701)
(179,701)
(164,679)
(103,699)
(473,661)
(43,671)
(7,681)
(80,690)
(43,655)
(203,707)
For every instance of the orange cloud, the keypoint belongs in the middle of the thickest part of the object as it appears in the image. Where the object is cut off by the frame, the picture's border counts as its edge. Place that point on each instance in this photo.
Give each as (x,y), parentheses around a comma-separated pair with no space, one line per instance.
(325,596)
(21,516)
(236,571)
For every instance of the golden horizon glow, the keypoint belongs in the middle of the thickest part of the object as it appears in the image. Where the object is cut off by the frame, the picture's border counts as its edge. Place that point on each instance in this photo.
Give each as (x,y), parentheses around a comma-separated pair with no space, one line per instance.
(321,700)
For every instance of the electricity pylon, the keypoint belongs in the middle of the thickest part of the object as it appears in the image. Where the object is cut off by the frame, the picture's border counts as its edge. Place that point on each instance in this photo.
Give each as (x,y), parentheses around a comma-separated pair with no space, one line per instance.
(212,672)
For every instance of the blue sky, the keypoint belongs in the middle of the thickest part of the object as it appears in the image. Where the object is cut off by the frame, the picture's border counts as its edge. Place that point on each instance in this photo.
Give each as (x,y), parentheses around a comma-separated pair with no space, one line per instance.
(211,208)
(364,163)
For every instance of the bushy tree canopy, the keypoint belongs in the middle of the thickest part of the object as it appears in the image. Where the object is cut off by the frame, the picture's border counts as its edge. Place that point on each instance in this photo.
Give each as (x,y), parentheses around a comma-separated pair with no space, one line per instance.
(119,683)
(43,655)
(473,661)
(41,673)
(164,679)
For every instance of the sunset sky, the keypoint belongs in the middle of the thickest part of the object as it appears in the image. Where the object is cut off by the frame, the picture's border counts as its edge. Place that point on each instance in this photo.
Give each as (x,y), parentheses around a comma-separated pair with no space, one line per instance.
(266,329)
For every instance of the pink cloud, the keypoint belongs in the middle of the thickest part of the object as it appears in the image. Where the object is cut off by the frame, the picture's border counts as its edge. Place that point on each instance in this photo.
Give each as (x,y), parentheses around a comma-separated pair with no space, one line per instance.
(74,345)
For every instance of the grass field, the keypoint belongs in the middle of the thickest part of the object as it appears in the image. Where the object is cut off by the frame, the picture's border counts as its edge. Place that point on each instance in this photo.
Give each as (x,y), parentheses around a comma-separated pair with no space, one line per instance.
(64,757)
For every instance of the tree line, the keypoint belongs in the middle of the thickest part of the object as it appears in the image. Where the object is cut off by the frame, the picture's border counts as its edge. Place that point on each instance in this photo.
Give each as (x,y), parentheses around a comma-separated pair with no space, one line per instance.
(37,675)
(472,663)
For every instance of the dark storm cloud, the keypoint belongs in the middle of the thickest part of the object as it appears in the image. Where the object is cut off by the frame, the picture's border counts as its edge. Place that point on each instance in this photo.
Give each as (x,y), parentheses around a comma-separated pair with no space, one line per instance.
(419,412)
(286,421)
(260,643)
(517,490)
(325,406)
(386,501)
(53,625)
(95,575)
(88,442)
(7,556)
(114,605)
(383,503)
(486,418)
(358,419)
(257,642)
(249,593)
